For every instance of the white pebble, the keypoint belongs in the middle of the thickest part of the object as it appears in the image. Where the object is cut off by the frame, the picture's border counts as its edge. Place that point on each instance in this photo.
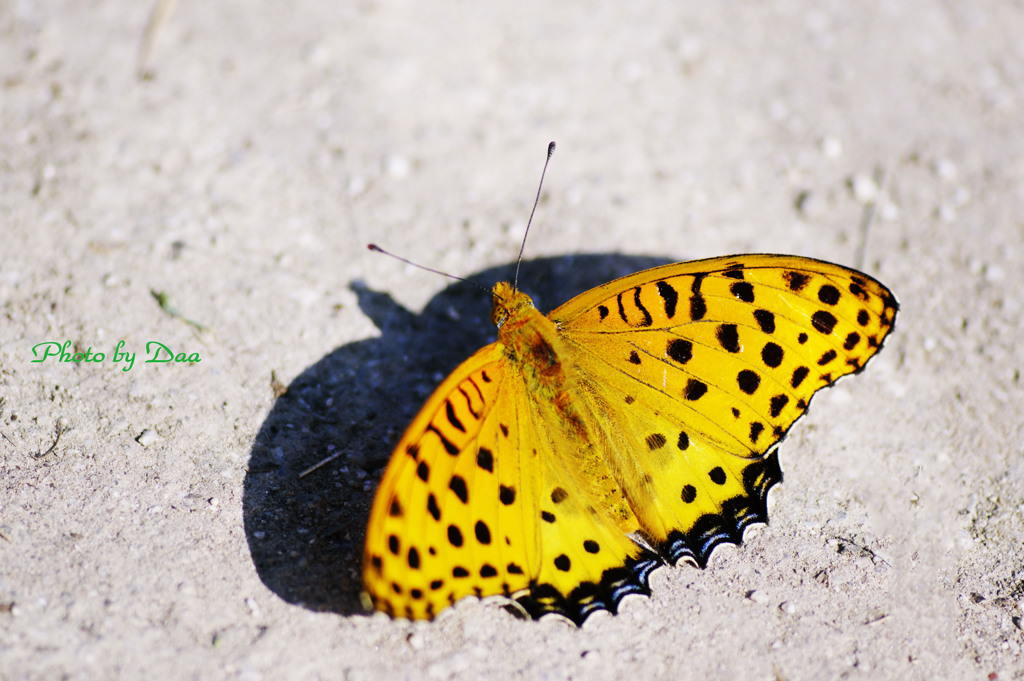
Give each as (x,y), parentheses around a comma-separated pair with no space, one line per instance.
(398,167)
(961,196)
(356,186)
(865,190)
(757,596)
(416,641)
(831,147)
(945,169)
(147,437)
(890,212)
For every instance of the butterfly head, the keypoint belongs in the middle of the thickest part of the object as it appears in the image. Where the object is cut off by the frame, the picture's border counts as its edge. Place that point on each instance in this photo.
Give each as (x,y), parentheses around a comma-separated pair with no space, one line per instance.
(508,303)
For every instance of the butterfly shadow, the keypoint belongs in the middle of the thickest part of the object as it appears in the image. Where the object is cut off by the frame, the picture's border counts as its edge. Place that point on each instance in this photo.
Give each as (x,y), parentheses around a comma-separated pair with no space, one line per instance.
(304,525)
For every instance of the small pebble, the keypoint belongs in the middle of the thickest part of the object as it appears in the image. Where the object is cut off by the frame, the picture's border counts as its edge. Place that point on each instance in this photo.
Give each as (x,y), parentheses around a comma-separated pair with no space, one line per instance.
(945,169)
(355,186)
(416,641)
(147,437)
(757,596)
(398,167)
(865,190)
(831,147)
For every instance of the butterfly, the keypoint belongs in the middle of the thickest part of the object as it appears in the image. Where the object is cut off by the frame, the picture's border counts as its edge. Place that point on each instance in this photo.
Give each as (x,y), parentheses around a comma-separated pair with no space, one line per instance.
(636,425)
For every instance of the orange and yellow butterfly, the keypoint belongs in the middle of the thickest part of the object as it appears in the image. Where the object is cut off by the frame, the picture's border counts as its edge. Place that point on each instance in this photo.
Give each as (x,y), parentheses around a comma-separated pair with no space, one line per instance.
(635,425)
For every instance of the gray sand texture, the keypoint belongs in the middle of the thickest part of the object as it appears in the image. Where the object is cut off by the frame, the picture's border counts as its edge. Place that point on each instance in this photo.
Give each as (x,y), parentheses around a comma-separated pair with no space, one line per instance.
(159,520)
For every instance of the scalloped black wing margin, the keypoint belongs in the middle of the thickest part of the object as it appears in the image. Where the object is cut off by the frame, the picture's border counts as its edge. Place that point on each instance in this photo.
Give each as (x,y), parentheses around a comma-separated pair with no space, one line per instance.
(708,532)
(737,514)
(587,598)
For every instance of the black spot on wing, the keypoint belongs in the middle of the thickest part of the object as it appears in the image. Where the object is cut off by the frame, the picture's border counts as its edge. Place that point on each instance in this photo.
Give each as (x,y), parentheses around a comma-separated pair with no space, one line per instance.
(778,402)
(669,296)
(485,459)
(698,307)
(824,321)
(756,428)
(748,381)
(647,320)
(766,320)
(828,294)
(452,417)
(448,446)
(742,290)
(454,536)
(483,533)
(734,271)
(458,485)
(771,355)
(694,390)
(656,441)
(796,280)
(728,337)
(680,350)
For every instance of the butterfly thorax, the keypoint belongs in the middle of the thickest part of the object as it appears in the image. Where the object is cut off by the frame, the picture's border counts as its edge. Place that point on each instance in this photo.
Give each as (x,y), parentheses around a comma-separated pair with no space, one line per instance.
(537,352)
(530,339)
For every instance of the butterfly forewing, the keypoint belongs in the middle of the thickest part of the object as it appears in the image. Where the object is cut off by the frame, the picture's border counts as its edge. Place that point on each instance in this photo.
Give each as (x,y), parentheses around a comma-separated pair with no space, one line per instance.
(706,365)
(431,537)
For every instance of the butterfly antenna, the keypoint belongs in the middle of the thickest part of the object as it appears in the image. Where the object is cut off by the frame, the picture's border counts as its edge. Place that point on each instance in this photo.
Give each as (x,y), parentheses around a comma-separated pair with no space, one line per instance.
(377,249)
(519,260)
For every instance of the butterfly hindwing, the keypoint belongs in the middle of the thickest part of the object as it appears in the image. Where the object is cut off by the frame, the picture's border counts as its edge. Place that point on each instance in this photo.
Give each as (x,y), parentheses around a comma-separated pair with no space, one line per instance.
(476,501)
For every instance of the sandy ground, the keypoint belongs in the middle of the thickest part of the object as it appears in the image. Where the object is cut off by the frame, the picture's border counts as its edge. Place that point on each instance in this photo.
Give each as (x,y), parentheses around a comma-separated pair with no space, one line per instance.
(167,534)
